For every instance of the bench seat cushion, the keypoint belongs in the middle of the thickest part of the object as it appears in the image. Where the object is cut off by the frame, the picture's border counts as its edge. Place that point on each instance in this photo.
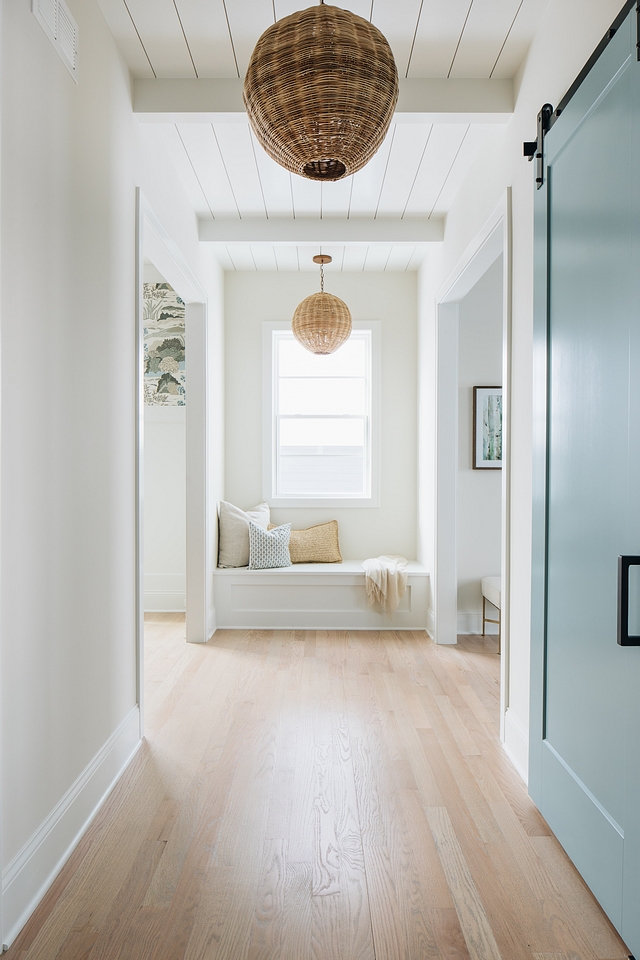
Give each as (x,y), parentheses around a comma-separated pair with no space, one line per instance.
(491,589)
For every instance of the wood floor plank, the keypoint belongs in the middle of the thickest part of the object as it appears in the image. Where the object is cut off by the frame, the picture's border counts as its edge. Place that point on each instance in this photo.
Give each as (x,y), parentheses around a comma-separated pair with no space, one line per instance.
(267,932)
(579,928)
(478,935)
(328,795)
(499,890)
(401,919)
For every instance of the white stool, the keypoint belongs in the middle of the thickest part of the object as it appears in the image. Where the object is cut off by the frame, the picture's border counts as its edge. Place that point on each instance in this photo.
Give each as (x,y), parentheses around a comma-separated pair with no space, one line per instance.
(491,590)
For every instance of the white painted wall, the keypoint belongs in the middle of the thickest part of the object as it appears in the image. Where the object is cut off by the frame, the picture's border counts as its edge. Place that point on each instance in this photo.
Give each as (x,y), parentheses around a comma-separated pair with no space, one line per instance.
(568,34)
(479,491)
(68,160)
(252,298)
(72,156)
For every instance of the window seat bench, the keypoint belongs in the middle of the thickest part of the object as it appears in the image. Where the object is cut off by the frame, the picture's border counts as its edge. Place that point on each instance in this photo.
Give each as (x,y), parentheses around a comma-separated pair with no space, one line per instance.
(314,596)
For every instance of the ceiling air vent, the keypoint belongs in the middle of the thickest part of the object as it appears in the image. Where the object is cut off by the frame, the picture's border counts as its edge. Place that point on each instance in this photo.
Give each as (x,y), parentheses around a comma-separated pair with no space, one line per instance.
(55,19)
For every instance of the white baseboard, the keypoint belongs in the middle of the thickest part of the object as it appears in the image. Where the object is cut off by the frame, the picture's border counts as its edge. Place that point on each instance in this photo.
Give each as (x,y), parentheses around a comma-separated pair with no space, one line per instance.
(516,744)
(164,603)
(211,623)
(431,623)
(471,623)
(164,594)
(32,871)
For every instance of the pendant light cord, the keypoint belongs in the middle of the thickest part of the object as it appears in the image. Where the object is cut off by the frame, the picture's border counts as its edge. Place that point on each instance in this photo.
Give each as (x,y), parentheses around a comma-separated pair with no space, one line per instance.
(322,278)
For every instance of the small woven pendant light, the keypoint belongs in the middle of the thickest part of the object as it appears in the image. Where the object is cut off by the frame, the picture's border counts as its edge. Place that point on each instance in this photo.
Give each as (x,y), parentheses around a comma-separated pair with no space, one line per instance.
(322,322)
(320,91)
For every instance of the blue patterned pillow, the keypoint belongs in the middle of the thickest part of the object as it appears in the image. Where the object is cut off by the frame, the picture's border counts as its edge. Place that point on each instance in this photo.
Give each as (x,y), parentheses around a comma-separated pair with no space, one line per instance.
(269,548)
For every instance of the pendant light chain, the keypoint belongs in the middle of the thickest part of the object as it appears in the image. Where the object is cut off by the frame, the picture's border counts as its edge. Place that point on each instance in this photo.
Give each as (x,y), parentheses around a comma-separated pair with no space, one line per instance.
(322,277)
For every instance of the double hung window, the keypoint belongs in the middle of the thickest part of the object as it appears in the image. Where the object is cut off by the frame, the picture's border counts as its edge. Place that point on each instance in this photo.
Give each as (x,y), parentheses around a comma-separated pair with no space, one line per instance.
(321,443)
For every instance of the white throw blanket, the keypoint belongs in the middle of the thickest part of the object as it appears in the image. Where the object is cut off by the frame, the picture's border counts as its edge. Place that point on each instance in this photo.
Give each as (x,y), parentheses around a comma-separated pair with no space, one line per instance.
(386,582)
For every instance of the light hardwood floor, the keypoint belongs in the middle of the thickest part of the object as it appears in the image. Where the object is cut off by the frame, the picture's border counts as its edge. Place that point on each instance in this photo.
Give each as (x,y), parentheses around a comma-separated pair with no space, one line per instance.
(318,796)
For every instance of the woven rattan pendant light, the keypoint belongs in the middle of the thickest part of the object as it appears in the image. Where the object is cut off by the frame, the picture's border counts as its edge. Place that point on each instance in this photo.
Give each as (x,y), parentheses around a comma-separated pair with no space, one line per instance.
(320,91)
(322,322)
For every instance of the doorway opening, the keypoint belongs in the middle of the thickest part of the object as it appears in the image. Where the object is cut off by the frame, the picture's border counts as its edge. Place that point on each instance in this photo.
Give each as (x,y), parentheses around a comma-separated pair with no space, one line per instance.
(172,420)
(165,465)
(479,500)
(472,522)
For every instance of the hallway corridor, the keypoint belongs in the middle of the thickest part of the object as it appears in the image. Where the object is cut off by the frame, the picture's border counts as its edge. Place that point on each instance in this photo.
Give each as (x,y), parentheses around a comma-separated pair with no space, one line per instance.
(325,795)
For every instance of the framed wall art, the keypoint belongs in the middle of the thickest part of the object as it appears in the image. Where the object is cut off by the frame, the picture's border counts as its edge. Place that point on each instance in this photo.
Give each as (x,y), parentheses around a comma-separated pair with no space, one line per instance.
(487,428)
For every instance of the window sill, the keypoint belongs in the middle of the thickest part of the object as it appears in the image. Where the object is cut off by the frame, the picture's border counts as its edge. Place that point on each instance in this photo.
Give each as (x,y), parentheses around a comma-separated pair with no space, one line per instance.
(328,503)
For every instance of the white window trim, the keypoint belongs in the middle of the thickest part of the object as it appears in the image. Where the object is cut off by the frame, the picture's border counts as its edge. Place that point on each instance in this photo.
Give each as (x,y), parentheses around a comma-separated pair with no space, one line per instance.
(268,427)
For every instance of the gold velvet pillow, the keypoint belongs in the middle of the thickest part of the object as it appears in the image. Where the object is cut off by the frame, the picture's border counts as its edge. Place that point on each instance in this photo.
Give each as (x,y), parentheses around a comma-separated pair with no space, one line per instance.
(317,544)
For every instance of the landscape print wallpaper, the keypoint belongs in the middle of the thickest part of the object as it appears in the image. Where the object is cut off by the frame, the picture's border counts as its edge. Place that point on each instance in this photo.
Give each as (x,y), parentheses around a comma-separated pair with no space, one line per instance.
(164,346)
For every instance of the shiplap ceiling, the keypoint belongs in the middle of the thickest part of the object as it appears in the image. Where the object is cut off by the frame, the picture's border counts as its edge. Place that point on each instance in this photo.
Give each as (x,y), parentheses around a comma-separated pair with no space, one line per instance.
(417,171)
(429,38)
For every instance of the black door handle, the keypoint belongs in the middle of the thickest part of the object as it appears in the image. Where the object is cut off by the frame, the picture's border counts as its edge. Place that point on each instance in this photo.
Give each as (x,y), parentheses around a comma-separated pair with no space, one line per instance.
(623,601)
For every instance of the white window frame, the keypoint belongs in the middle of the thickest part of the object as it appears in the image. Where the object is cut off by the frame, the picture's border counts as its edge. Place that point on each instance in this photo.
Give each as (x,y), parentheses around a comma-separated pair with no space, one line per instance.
(269,439)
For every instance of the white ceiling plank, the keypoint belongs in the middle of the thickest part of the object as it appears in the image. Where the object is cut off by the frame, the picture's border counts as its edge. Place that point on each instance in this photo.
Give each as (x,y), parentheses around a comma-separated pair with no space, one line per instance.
(444,143)
(276,183)
(264,256)
(128,42)
(234,141)
(180,158)
(437,37)
(306,197)
(416,258)
(248,19)
(336,197)
(285,8)
(459,169)
(205,26)
(205,156)
(354,258)
(377,256)
(409,146)
(519,39)
(335,251)
(242,257)
(160,31)
(397,19)
(367,182)
(399,258)
(287,257)
(306,252)
(224,259)
(484,33)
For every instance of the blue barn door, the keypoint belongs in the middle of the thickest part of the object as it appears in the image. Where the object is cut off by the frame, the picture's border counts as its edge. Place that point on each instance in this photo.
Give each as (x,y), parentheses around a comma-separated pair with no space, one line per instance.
(585,731)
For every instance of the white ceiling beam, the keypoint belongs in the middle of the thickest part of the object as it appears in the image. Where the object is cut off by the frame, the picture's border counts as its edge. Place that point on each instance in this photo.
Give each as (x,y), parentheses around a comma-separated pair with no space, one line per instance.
(420,101)
(332,231)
